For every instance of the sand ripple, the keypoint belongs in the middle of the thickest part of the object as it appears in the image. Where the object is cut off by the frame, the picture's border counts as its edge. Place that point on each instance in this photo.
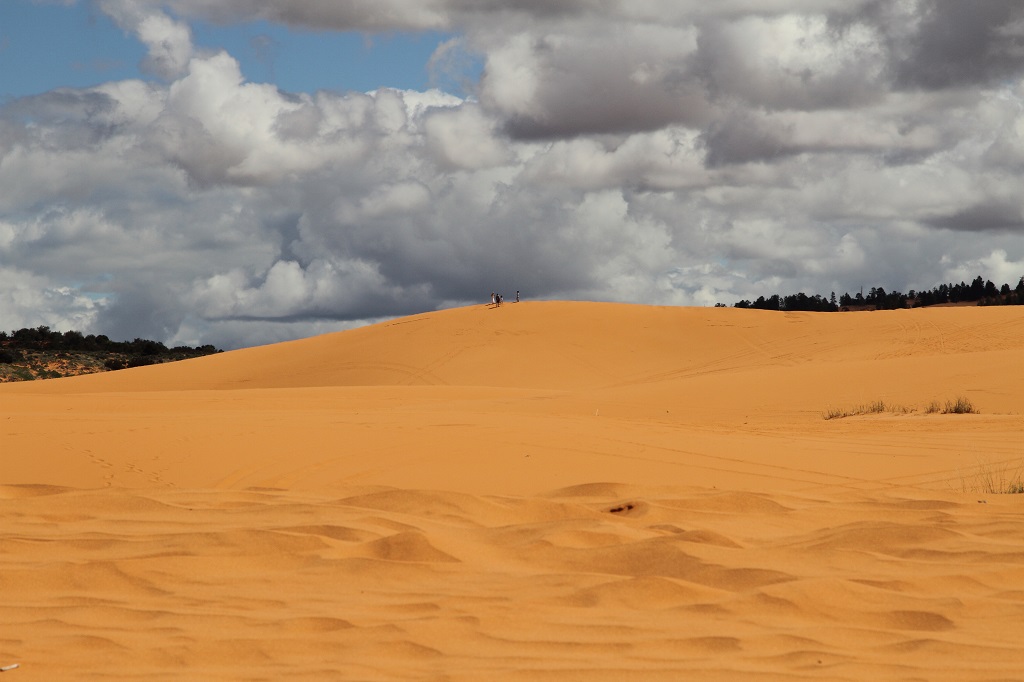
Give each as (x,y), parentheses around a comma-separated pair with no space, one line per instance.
(413,584)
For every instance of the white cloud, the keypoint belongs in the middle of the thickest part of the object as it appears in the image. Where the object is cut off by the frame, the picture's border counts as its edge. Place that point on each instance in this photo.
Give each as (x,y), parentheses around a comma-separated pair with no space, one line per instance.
(996,266)
(465,138)
(30,300)
(169,42)
(658,152)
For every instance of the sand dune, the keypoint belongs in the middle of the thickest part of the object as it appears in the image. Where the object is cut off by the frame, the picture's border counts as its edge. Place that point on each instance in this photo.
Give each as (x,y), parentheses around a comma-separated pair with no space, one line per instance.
(542,491)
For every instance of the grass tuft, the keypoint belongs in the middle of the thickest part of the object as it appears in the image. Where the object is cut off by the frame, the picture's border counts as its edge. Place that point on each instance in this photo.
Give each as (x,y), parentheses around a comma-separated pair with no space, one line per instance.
(876,407)
(959,406)
(994,480)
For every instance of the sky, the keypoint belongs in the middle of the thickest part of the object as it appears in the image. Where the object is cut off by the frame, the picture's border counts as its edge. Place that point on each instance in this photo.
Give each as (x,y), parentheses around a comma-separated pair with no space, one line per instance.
(242,172)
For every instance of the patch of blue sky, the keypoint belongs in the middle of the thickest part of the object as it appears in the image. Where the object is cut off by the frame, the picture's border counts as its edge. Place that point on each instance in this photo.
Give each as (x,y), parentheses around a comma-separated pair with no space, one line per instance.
(304,61)
(44,46)
(49,46)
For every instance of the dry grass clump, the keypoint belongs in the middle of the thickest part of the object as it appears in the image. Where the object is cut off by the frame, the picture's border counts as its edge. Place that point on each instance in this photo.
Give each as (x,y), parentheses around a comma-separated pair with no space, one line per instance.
(960,405)
(994,479)
(875,407)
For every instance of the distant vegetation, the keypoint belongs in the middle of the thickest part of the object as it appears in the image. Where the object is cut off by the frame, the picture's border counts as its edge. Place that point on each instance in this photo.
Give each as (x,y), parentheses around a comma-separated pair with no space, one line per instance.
(978,292)
(961,405)
(41,353)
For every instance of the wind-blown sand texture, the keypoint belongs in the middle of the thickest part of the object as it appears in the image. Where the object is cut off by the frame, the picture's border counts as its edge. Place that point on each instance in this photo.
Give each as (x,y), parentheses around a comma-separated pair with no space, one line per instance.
(540,491)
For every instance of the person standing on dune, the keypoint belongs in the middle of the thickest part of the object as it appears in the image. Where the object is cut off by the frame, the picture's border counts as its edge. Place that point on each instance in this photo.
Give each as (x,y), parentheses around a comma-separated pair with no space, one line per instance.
(517,295)
(494,299)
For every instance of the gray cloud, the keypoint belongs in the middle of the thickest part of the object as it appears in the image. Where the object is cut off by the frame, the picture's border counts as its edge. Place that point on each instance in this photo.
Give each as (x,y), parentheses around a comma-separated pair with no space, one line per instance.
(602,80)
(657,152)
(964,44)
(999,215)
(742,138)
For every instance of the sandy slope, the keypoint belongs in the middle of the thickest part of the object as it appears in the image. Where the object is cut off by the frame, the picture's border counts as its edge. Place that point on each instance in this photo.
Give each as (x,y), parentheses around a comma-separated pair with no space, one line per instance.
(541,491)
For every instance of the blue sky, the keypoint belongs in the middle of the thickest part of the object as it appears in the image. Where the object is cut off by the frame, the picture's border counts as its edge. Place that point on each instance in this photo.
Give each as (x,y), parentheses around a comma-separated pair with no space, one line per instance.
(43,47)
(48,46)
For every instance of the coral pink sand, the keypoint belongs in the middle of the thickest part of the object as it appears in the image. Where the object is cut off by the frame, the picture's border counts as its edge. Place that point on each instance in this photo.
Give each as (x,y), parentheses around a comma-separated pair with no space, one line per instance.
(543,491)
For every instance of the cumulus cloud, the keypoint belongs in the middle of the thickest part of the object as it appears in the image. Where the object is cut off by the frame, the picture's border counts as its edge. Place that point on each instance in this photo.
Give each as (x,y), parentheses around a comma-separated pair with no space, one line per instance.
(997,266)
(168,41)
(463,137)
(31,300)
(658,151)
(608,79)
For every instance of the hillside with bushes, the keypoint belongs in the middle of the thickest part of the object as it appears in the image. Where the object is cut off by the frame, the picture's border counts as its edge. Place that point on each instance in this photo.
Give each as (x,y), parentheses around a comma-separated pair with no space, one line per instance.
(41,353)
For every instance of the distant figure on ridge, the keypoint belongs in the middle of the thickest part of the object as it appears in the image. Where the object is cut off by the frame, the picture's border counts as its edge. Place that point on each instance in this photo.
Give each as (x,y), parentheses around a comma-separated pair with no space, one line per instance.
(517,295)
(494,298)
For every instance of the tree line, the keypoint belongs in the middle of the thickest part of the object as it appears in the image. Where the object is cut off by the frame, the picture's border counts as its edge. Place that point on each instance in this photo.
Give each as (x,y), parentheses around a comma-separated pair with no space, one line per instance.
(979,291)
(42,338)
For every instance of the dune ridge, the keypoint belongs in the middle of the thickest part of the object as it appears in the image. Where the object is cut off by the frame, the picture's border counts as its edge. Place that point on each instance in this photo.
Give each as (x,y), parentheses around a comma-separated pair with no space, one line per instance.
(544,490)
